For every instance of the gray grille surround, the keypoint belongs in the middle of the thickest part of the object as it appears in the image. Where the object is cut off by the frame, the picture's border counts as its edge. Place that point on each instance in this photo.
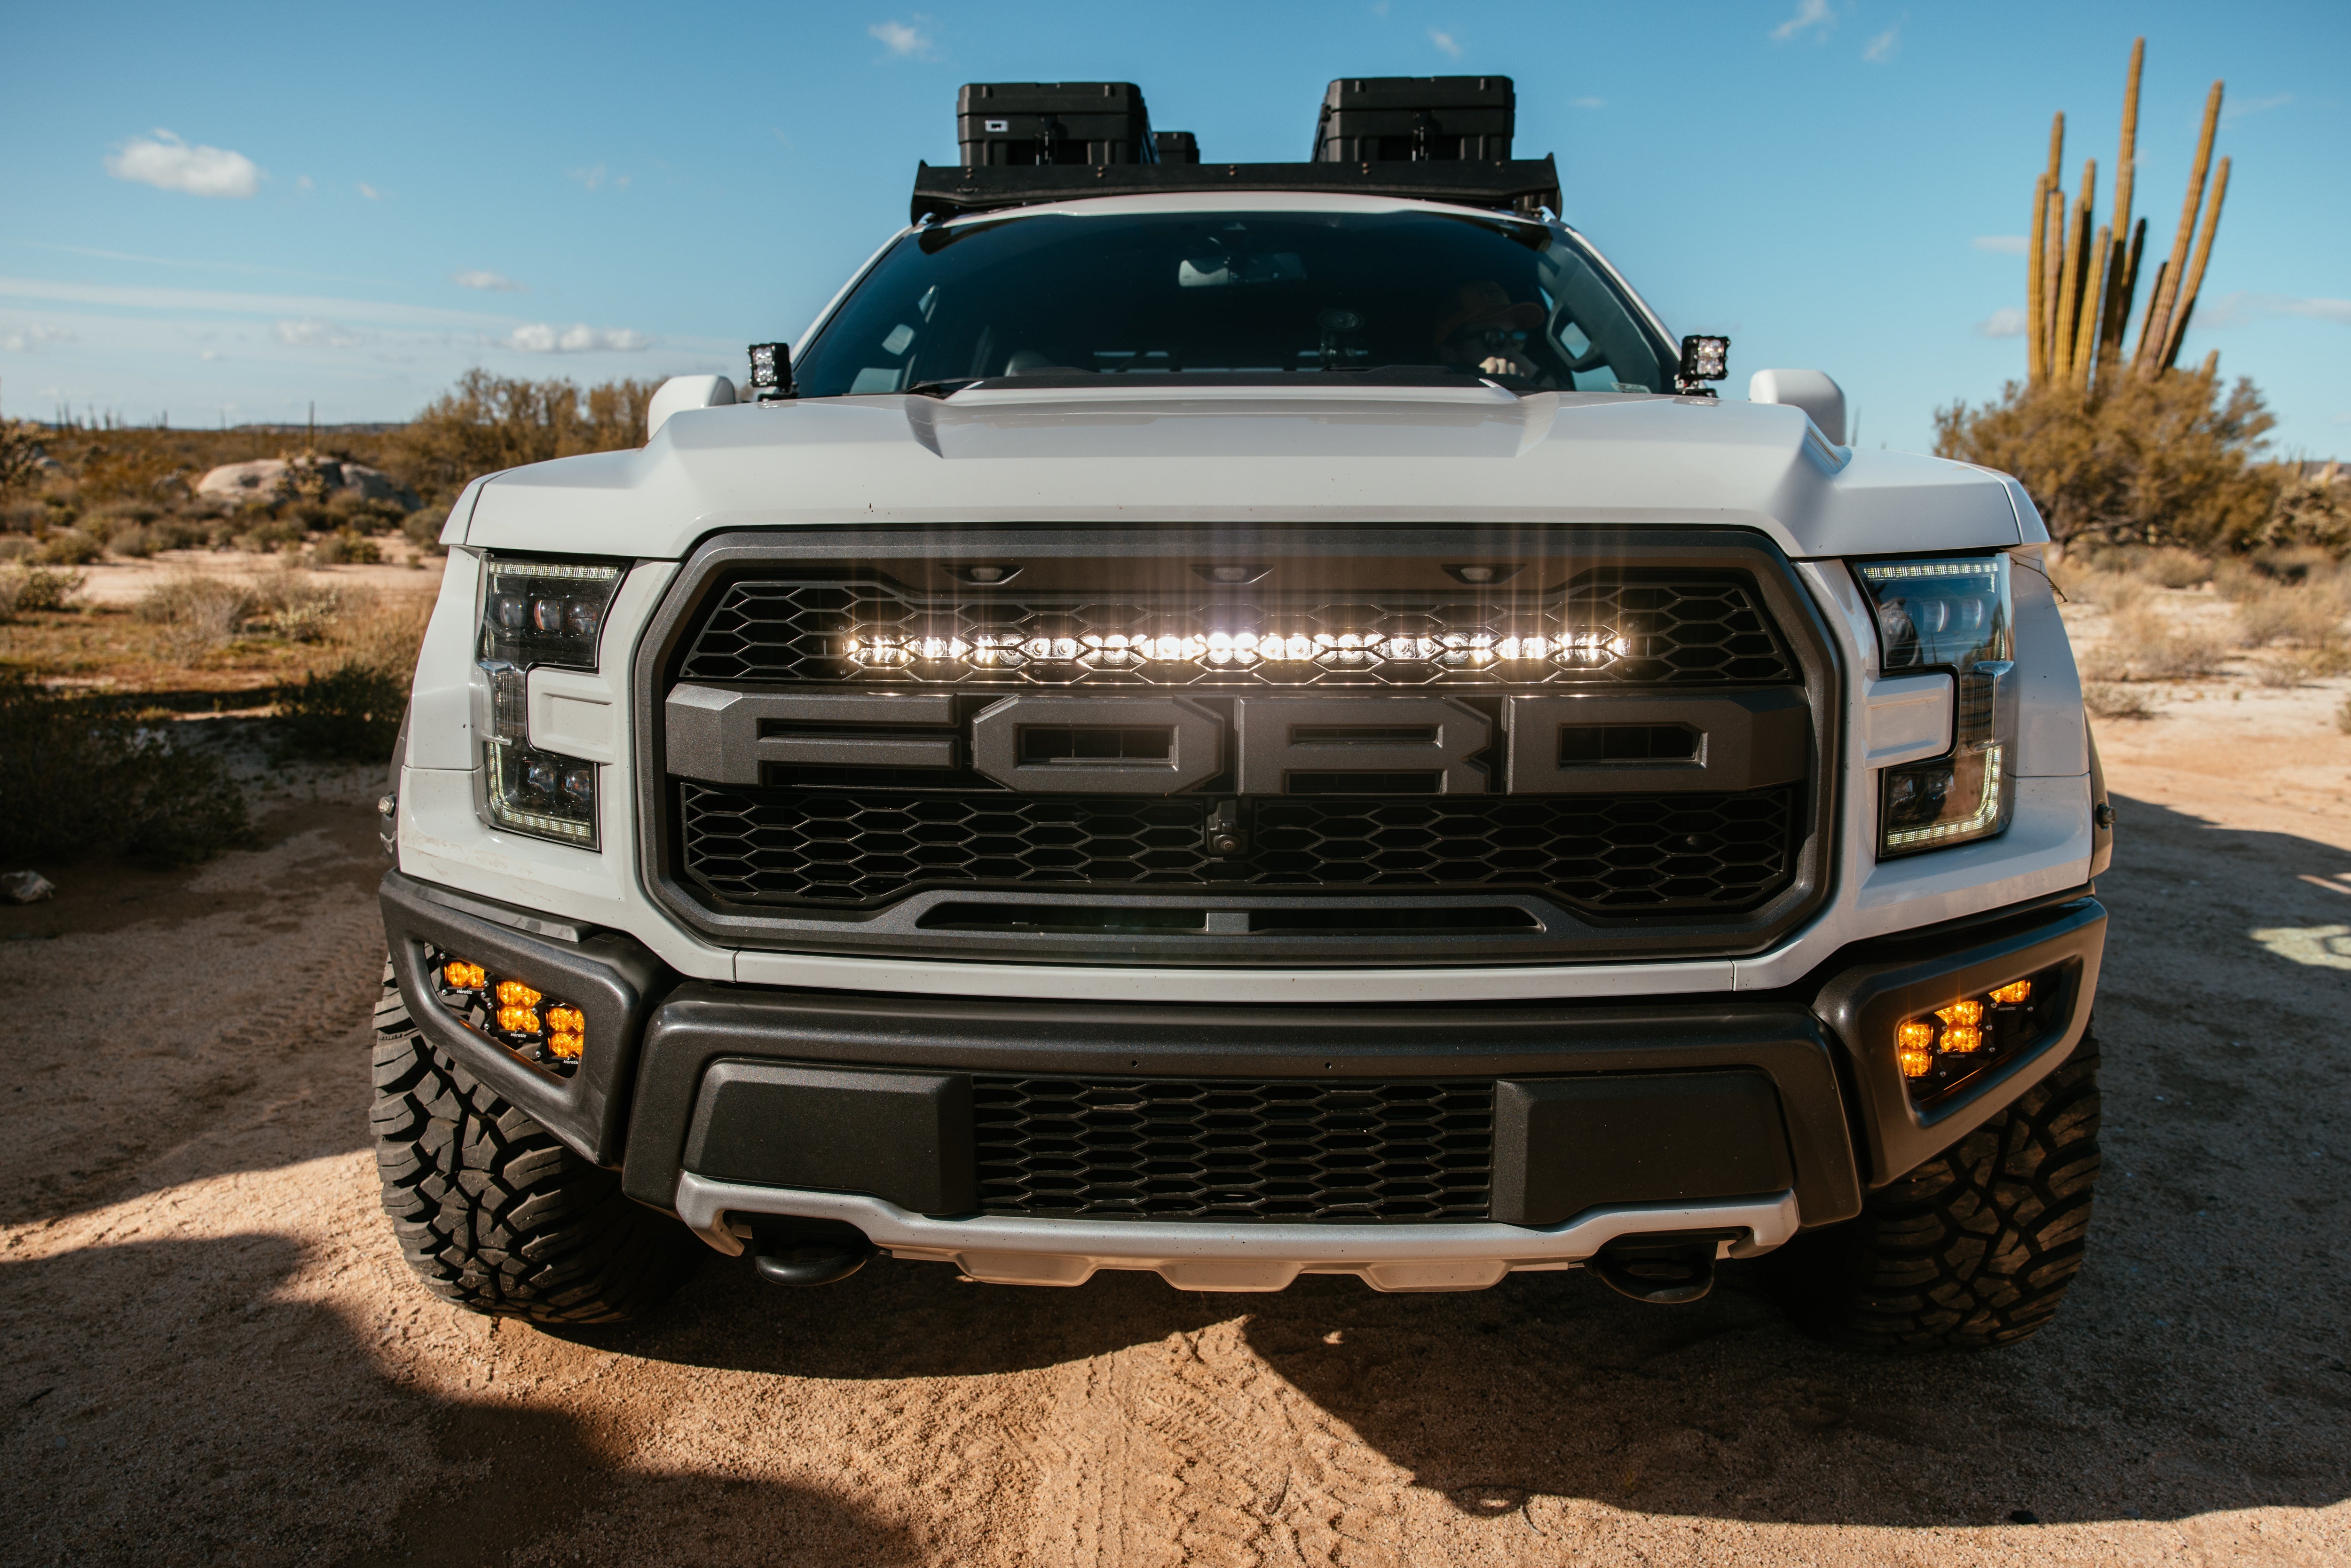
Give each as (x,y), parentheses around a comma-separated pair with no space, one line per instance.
(1368,922)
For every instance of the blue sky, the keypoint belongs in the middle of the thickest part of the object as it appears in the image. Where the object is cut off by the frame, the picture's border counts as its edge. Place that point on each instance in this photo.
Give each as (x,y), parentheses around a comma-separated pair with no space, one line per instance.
(225,213)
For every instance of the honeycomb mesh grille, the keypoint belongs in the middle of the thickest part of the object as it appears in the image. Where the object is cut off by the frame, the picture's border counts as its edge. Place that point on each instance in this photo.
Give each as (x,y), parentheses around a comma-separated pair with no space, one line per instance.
(1618,855)
(1686,631)
(1149,1149)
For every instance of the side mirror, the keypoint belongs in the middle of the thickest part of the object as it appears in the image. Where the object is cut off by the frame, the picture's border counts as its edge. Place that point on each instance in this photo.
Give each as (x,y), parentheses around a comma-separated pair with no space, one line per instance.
(1810,390)
(681,392)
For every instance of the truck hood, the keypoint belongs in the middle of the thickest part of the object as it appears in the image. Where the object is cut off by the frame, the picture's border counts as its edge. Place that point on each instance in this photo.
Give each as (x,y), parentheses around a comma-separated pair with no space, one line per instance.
(1246,455)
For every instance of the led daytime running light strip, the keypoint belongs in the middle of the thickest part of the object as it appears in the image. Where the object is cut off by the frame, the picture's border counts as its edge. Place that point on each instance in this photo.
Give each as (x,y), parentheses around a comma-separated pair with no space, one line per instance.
(1236,650)
(1887,572)
(1986,808)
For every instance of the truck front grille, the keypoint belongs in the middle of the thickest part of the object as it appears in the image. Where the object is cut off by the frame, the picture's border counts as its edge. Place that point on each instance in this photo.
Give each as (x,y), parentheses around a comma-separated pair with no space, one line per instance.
(1605,853)
(1150,1149)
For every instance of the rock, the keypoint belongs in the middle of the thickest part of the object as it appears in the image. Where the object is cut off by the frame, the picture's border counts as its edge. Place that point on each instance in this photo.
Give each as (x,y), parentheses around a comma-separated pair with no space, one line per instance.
(261,479)
(25,888)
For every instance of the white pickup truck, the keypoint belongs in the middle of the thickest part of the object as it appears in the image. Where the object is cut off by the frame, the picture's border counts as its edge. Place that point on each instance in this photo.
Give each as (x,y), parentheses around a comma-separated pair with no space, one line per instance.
(1240,721)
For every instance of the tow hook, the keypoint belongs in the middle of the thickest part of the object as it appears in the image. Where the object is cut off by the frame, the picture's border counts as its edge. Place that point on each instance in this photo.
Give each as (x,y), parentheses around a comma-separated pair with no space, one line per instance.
(1666,1269)
(818,1255)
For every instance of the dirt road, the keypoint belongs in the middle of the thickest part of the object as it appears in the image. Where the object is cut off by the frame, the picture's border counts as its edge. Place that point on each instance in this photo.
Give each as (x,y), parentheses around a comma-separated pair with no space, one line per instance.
(213,1353)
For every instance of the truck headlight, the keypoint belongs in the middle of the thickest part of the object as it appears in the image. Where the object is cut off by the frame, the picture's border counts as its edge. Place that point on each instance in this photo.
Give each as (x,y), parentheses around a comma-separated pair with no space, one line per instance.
(1949,614)
(535,612)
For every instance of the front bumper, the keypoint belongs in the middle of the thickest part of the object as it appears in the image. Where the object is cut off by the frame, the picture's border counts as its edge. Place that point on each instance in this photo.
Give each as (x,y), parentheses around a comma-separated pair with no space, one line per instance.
(651,1096)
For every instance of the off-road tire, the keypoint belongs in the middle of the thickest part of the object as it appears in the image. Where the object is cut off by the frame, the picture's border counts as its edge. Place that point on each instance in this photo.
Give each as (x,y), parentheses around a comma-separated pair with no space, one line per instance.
(495,1213)
(1973,1249)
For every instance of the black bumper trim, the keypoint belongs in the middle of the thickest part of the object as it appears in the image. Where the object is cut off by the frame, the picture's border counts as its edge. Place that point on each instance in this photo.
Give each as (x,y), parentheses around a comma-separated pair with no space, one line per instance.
(1902,978)
(703,1023)
(609,977)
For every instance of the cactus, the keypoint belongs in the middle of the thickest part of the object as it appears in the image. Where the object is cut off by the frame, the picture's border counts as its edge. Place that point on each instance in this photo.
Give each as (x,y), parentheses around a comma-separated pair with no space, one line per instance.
(2081,287)
(2171,301)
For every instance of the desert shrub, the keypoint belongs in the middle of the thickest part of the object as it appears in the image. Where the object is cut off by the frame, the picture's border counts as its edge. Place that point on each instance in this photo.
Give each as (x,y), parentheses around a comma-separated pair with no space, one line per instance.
(2310,509)
(2112,590)
(178,533)
(69,546)
(2278,672)
(346,547)
(131,541)
(198,613)
(2170,461)
(349,509)
(387,632)
(37,588)
(2170,567)
(423,529)
(350,712)
(79,774)
(2105,699)
(16,546)
(22,518)
(2343,717)
(272,535)
(487,422)
(2141,645)
(2308,615)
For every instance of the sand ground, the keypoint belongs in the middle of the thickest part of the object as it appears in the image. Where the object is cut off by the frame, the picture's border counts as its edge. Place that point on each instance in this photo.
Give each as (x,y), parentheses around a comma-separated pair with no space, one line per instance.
(213,1352)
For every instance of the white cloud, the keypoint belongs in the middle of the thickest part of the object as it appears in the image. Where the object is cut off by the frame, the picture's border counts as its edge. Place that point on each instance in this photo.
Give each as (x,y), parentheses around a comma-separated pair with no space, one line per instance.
(493,282)
(209,355)
(2336,310)
(2003,323)
(595,178)
(30,339)
(314,332)
(1883,48)
(904,40)
(2236,309)
(222,301)
(1809,14)
(2245,105)
(2002,245)
(1588,102)
(1447,42)
(540,338)
(369,192)
(169,163)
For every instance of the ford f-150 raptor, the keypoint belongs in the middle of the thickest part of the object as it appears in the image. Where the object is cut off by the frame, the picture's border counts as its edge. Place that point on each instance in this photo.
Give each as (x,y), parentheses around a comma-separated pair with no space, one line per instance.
(1242,720)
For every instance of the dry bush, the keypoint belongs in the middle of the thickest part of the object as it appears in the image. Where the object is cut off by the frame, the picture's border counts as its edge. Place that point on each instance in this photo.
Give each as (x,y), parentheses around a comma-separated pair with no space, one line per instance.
(2172,567)
(81,773)
(2142,645)
(387,632)
(198,613)
(488,423)
(2170,461)
(346,547)
(16,546)
(39,587)
(2279,672)
(132,541)
(2104,699)
(2343,717)
(2112,590)
(352,711)
(70,546)
(2308,615)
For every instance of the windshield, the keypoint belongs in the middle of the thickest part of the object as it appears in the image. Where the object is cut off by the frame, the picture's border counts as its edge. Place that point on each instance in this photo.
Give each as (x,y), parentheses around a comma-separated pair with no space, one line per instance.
(1133,294)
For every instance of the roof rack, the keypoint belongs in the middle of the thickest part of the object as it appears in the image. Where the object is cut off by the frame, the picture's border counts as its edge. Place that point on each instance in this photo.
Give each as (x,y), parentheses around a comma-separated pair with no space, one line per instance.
(1518,184)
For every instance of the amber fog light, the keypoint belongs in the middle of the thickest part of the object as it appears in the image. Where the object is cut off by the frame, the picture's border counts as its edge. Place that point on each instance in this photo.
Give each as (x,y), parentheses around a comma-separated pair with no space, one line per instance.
(1938,1051)
(509,1010)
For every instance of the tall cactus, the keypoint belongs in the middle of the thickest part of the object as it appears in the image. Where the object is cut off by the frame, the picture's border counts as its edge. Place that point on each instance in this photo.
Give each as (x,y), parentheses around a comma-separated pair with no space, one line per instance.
(2080,285)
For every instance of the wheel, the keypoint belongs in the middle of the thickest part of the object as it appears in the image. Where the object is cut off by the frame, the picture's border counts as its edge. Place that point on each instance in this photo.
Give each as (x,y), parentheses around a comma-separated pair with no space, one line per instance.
(495,1213)
(1973,1249)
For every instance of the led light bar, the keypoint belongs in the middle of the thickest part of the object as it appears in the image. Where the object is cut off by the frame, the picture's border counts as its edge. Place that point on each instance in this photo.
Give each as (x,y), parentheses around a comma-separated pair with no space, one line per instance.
(1236,650)
(509,1011)
(1936,1051)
